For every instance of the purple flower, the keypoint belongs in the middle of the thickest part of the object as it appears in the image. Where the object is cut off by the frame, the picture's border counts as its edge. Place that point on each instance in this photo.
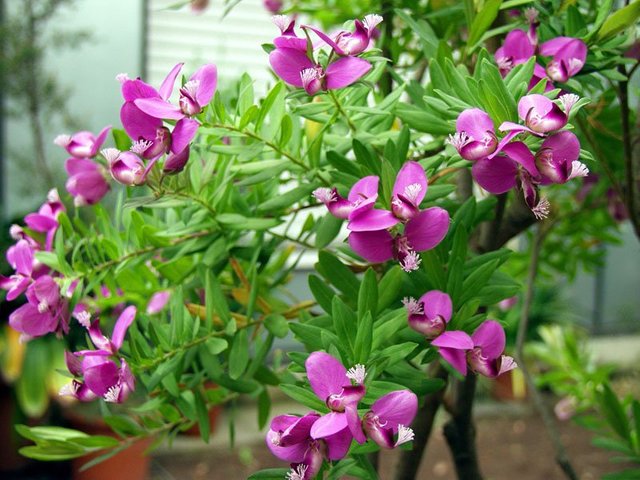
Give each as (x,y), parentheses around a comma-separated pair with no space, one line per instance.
(569,55)
(297,69)
(158,301)
(332,384)
(46,310)
(97,372)
(541,115)
(430,314)
(516,49)
(390,415)
(46,219)
(557,158)
(273,6)
(289,439)
(288,37)
(352,43)
(126,168)
(422,232)
(82,144)
(513,167)
(87,182)
(20,257)
(195,94)
(361,198)
(475,136)
(482,351)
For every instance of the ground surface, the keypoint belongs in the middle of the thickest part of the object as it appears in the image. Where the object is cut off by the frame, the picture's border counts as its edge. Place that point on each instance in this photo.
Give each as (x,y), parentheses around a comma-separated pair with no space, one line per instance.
(510,448)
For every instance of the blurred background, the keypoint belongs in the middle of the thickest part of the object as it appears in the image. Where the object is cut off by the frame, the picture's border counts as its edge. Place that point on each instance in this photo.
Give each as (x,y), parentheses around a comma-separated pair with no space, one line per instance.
(58,68)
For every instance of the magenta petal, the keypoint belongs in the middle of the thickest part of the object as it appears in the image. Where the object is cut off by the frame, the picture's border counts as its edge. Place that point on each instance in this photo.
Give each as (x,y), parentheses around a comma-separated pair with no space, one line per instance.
(564,145)
(396,408)
(169,82)
(138,124)
(345,71)
(375,247)
(457,358)
(99,340)
(328,424)
(287,63)
(326,375)
(158,301)
(563,47)
(514,127)
(22,258)
(292,453)
(328,40)
(496,175)
(40,223)
(437,303)
(519,152)
(490,337)
(354,423)
(101,377)
(28,320)
(366,187)
(207,76)
(183,133)
(411,173)
(538,103)
(454,339)
(158,108)
(122,325)
(427,229)
(371,220)
(289,41)
(133,89)
(475,123)
(518,46)
(74,365)
(338,444)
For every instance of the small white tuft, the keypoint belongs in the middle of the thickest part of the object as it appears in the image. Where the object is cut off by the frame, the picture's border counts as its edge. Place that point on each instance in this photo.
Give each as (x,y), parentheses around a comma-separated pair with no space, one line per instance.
(298,473)
(281,21)
(505,63)
(412,191)
(413,306)
(80,201)
(405,434)
(69,390)
(541,210)
(122,77)
(191,88)
(567,101)
(578,169)
(459,140)
(53,196)
(84,318)
(113,394)
(43,306)
(110,154)
(575,65)
(139,147)
(531,14)
(62,140)
(411,262)
(324,195)
(308,75)
(357,373)
(16,232)
(371,21)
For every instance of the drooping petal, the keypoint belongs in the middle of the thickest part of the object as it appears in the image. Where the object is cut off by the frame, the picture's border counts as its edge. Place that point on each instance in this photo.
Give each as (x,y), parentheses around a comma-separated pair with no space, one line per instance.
(329,424)
(437,303)
(411,182)
(520,153)
(287,63)
(371,220)
(354,424)
(345,71)
(183,133)
(326,38)
(427,229)
(159,108)
(28,320)
(20,257)
(138,124)
(454,339)
(207,76)
(122,325)
(326,375)
(375,247)
(496,175)
(396,408)
(338,444)
(101,377)
(169,82)
(457,358)
(490,337)
(74,365)
(292,453)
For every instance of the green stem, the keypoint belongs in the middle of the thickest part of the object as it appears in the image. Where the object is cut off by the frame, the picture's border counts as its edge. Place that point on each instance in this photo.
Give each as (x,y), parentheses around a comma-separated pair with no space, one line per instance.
(338,105)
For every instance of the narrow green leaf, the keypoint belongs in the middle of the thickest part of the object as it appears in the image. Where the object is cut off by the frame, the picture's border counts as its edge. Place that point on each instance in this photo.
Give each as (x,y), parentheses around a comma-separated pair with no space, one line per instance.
(619,20)
(368,294)
(239,354)
(483,20)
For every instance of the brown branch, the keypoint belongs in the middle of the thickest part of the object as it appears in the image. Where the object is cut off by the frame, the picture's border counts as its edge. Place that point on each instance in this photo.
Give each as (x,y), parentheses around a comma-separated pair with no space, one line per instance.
(561,455)
(409,460)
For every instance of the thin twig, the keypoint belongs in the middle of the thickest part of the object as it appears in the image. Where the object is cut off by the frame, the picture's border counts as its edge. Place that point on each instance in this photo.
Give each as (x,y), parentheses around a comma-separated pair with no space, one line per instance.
(561,455)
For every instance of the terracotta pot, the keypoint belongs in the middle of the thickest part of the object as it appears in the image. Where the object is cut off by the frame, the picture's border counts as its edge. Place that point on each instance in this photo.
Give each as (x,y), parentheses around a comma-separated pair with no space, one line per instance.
(130,464)
(214,413)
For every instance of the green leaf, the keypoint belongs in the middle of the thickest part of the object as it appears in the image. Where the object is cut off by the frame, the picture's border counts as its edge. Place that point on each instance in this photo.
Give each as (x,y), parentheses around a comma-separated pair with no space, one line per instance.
(364,339)
(338,274)
(215,299)
(423,121)
(477,279)
(389,287)
(344,322)
(621,19)
(204,424)
(264,408)
(305,396)
(239,354)
(368,294)
(321,292)
(277,325)
(216,345)
(614,412)
(630,474)
(270,474)
(287,199)
(48,453)
(483,20)
(328,229)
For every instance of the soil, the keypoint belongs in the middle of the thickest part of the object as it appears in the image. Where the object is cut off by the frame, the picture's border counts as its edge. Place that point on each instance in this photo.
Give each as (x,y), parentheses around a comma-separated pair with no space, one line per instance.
(509,448)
